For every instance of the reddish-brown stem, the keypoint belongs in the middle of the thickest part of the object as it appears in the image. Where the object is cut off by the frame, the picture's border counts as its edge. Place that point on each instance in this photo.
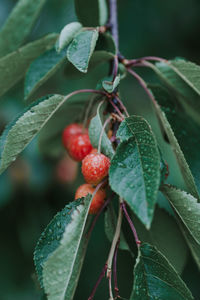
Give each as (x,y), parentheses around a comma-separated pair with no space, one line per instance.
(87,91)
(103,272)
(123,205)
(115,270)
(132,62)
(142,83)
(116,108)
(122,105)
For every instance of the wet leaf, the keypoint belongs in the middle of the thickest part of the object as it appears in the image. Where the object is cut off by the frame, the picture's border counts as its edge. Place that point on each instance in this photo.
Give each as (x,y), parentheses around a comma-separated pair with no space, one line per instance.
(81,49)
(135,168)
(155,278)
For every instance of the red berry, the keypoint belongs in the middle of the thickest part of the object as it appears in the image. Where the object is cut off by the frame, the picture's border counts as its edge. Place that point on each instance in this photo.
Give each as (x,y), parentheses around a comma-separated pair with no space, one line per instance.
(79,146)
(70,131)
(98,199)
(95,167)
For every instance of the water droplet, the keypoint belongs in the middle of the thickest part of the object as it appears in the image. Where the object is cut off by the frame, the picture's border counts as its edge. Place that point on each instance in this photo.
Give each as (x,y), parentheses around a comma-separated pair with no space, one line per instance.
(58,224)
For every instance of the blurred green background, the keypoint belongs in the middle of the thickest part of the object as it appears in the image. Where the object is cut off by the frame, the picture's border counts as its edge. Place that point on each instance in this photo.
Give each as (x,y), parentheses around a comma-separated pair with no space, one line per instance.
(31,191)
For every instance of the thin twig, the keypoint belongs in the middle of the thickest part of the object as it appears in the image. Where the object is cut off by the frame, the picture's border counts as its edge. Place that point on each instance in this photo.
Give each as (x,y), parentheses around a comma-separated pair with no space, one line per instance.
(115,270)
(116,108)
(122,105)
(87,112)
(113,22)
(115,67)
(110,286)
(102,274)
(142,83)
(115,239)
(102,132)
(123,205)
(132,62)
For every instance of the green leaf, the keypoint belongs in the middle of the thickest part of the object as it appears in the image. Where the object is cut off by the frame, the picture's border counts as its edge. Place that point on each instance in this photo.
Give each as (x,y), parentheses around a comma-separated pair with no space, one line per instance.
(135,168)
(14,65)
(95,130)
(170,242)
(41,69)
(97,58)
(91,12)
(189,72)
(24,128)
(186,132)
(67,34)
(81,49)
(192,243)
(186,207)
(110,222)
(19,24)
(60,250)
(194,247)
(155,278)
(110,86)
(183,78)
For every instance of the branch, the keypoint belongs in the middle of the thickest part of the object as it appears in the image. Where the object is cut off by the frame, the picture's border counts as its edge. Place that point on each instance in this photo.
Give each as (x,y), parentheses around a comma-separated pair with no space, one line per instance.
(113,22)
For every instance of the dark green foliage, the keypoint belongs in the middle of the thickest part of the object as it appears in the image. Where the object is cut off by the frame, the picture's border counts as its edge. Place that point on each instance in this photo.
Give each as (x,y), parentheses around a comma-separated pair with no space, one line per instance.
(85,60)
(135,168)
(42,69)
(155,278)
(51,237)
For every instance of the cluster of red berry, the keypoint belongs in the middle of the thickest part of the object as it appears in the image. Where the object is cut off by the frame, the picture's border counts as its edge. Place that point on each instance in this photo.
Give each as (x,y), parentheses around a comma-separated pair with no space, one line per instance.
(95,165)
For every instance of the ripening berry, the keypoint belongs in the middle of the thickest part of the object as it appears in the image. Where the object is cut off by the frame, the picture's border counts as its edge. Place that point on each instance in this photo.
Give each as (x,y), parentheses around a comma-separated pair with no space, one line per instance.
(98,199)
(66,170)
(95,167)
(79,146)
(70,131)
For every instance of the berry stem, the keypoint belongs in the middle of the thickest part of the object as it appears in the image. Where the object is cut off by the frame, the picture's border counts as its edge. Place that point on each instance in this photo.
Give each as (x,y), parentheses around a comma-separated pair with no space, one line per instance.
(143,84)
(102,132)
(123,205)
(80,92)
(102,274)
(110,286)
(115,269)
(88,109)
(122,105)
(115,67)
(115,240)
(116,108)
